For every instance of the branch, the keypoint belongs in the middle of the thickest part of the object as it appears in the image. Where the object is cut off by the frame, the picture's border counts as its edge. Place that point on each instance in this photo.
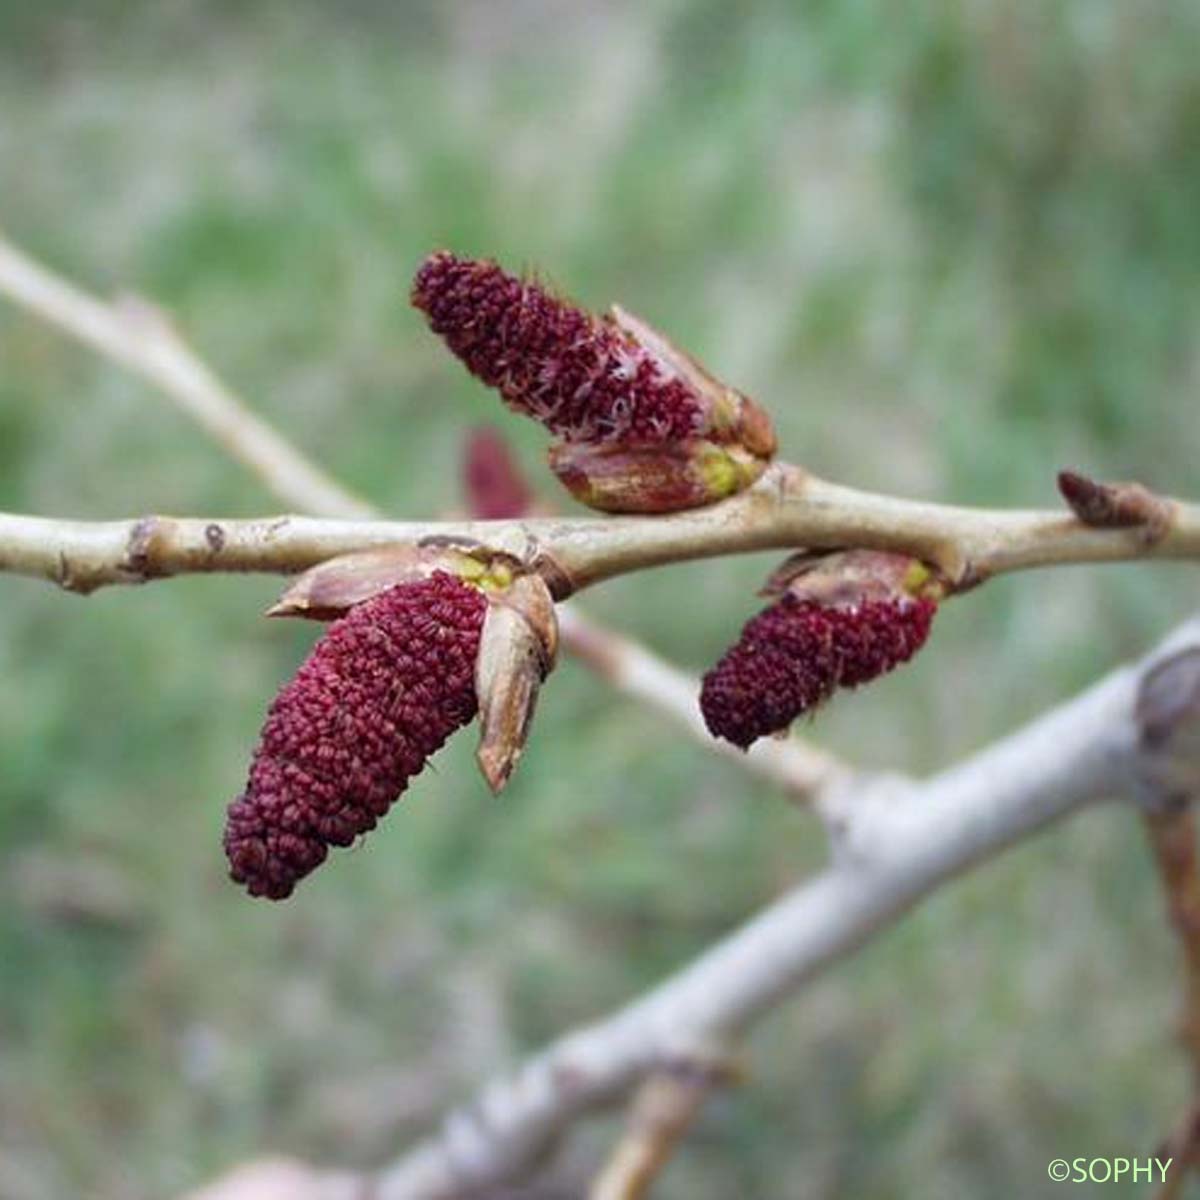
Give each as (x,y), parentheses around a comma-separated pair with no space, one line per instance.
(136,334)
(283,1179)
(1172,835)
(790,508)
(663,1109)
(902,841)
(1169,716)
(786,509)
(889,856)
(1181,1149)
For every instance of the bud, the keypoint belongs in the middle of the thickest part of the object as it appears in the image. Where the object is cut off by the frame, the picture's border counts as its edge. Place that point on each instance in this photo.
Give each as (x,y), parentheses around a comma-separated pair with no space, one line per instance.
(602,382)
(1117,505)
(380,693)
(492,481)
(841,620)
(653,480)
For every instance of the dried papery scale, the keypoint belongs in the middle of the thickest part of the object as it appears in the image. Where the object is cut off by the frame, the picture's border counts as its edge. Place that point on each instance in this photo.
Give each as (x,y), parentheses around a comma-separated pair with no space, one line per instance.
(840,620)
(847,577)
(516,652)
(330,589)
(416,650)
(611,387)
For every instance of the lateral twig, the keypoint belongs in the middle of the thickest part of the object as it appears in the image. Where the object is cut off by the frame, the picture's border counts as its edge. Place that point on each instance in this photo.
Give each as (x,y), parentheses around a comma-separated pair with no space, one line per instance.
(664,1107)
(1168,715)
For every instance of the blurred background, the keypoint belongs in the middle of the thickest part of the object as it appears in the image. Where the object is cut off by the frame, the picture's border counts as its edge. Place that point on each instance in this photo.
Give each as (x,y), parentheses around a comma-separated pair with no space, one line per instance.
(951,246)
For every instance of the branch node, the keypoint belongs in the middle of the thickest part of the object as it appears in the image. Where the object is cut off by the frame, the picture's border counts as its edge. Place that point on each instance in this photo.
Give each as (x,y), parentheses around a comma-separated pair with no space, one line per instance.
(140,552)
(70,580)
(558,578)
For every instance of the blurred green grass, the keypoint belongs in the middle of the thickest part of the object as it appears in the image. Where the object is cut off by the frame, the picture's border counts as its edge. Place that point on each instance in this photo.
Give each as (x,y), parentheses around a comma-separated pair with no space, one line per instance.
(952,247)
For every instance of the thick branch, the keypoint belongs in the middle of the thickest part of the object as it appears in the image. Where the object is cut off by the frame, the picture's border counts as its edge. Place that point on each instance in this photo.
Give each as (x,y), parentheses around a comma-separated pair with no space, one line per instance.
(283,1179)
(786,509)
(902,842)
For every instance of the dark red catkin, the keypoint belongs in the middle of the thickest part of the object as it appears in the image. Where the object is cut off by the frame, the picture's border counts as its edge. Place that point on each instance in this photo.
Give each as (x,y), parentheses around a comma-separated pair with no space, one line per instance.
(794,654)
(382,691)
(582,376)
(492,481)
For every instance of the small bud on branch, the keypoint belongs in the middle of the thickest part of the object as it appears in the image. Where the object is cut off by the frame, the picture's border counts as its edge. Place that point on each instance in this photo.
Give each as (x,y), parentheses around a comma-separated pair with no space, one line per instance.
(1116,505)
